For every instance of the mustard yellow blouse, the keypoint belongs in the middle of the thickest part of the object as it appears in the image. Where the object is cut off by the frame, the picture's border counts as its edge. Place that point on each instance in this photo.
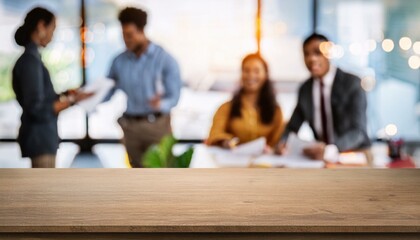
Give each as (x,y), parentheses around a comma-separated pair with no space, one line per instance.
(247,128)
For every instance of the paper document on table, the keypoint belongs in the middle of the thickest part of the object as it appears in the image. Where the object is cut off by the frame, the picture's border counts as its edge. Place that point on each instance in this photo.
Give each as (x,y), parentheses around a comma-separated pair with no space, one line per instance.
(253,148)
(287,161)
(100,88)
(353,158)
(293,158)
(227,158)
(295,145)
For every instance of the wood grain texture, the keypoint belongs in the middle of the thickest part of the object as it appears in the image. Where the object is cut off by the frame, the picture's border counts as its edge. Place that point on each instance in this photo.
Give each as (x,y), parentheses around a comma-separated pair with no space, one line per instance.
(209,236)
(210,200)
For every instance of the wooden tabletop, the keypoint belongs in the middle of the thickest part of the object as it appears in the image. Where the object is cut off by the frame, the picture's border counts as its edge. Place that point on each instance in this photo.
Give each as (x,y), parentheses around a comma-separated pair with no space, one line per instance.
(209,200)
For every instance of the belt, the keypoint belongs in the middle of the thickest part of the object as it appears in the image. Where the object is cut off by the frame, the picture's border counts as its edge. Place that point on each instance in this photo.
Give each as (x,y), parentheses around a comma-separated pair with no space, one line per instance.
(151,117)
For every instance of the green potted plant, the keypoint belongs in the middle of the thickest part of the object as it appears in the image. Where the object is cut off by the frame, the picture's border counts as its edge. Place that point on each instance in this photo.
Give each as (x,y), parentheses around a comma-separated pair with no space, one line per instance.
(161,155)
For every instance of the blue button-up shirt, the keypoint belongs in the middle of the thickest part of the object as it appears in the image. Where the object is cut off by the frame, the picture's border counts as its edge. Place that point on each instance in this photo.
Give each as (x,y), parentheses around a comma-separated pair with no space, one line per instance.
(142,78)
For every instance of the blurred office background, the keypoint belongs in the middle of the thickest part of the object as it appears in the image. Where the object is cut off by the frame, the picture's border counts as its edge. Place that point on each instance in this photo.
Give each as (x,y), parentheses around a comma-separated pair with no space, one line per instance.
(378,40)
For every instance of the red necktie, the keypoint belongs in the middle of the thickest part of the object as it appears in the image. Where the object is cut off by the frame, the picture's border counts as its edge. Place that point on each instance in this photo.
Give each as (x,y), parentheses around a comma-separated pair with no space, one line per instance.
(325,136)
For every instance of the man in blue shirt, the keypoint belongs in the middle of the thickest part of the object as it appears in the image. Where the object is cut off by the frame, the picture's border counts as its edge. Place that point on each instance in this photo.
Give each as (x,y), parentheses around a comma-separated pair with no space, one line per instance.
(150,77)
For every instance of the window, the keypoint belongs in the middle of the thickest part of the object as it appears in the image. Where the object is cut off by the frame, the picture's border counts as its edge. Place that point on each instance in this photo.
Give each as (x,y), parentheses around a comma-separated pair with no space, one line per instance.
(377,41)
(285,24)
(61,58)
(208,38)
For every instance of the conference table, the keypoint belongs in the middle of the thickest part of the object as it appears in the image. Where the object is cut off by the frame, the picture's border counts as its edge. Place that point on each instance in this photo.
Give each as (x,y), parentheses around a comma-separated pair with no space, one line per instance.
(215,157)
(228,203)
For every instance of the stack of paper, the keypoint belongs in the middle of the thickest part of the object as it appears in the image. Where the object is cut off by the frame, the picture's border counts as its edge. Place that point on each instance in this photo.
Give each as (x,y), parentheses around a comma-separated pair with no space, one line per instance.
(253,148)
(293,158)
(252,154)
(240,156)
(100,88)
(226,158)
(353,158)
(295,146)
(287,162)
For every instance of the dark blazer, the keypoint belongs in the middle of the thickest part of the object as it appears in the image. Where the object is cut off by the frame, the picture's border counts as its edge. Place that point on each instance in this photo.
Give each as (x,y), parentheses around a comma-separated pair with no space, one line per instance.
(34,91)
(348,106)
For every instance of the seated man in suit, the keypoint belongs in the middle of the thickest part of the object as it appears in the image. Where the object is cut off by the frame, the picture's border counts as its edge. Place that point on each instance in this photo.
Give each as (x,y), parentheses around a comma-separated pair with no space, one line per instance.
(333,103)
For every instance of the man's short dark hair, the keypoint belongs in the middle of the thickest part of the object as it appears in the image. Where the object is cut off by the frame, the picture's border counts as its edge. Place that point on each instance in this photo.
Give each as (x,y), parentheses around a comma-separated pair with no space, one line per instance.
(133,15)
(315,36)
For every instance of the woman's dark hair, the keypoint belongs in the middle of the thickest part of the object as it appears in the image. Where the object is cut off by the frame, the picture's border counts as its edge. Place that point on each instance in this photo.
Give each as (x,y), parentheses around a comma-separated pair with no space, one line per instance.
(24,32)
(133,15)
(267,98)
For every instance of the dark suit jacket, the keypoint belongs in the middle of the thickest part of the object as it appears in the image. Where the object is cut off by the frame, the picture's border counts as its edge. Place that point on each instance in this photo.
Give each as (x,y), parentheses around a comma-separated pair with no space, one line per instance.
(348,105)
(35,93)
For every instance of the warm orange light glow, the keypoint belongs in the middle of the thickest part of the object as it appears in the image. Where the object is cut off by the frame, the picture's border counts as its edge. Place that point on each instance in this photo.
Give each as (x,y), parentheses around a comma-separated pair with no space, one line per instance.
(331,50)
(368,83)
(414,62)
(387,45)
(405,43)
(391,130)
(325,48)
(83,32)
(258,26)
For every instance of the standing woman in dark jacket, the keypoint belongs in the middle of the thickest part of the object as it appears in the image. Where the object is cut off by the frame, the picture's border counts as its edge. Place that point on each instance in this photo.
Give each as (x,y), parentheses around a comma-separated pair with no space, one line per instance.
(38,135)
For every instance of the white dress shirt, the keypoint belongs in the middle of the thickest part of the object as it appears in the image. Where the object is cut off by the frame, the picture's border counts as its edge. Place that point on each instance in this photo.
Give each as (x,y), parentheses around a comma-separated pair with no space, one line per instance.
(331,151)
